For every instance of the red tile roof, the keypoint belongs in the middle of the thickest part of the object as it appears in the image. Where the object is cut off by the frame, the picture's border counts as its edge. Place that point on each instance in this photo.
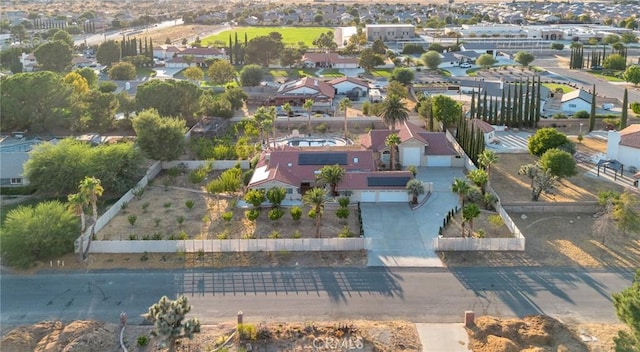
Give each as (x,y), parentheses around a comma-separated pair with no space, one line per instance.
(484,126)
(349,79)
(630,136)
(436,142)
(319,86)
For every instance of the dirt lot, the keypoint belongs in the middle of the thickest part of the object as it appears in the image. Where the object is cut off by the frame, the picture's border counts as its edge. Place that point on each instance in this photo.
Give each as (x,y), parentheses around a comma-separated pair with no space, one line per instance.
(272,337)
(514,188)
(539,333)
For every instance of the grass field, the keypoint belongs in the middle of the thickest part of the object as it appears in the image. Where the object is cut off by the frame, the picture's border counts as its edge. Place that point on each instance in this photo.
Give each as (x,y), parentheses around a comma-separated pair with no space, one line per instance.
(293,73)
(553,86)
(381,72)
(605,77)
(331,72)
(290,35)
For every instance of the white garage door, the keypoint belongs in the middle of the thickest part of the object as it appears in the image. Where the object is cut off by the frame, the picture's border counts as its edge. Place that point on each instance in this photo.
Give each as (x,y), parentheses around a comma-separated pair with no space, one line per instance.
(411,156)
(439,161)
(391,196)
(368,196)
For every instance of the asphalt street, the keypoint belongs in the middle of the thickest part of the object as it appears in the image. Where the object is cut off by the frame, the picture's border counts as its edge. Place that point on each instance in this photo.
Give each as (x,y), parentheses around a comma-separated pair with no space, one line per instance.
(300,294)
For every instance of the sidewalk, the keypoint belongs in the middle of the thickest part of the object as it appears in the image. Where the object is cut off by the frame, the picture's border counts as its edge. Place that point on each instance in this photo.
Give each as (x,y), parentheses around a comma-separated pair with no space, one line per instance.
(443,337)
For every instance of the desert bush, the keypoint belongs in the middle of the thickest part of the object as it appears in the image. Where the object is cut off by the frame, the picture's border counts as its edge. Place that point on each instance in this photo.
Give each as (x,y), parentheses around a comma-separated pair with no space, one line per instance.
(496,221)
(345,232)
(275,214)
(582,114)
(322,128)
(132,219)
(296,213)
(142,340)
(145,206)
(342,212)
(275,234)
(189,204)
(252,214)
(247,332)
(182,235)
(180,220)
(227,216)
(296,234)
(344,201)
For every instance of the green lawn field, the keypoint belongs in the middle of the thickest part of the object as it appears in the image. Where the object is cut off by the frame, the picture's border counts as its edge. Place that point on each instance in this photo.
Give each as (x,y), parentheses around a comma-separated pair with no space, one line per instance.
(553,86)
(290,35)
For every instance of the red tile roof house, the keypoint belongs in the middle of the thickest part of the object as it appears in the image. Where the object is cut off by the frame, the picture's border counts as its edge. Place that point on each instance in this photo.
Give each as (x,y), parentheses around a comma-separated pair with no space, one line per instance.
(346,85)
(417,147)
(200,55)
(296,92)
(296,169)
(329,60)
(624,146)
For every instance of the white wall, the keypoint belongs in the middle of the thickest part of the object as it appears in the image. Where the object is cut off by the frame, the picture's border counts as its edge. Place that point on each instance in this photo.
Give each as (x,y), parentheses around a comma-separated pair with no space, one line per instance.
(215,246)
(579,105)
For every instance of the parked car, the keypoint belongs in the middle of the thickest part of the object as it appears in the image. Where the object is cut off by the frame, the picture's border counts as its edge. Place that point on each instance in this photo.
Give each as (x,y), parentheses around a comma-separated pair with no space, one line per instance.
(465,65)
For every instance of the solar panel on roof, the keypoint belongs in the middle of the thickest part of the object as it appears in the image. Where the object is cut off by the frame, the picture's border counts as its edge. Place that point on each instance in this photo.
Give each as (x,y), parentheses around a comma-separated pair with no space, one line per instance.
(373,181)
(322,158)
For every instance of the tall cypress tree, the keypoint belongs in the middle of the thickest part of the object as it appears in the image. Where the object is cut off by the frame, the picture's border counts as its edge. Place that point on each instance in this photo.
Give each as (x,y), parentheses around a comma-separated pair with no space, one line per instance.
(502,108)
(526,106)
(230,50)
(509,108)
(538,98)
(236,50)
(625,110)
(150,48)
(516,106)
(592,115)
(472,112)
(485,107)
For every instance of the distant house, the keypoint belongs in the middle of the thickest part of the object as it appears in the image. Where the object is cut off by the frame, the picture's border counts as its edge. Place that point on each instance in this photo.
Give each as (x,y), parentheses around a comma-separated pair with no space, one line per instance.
(296,92)
(487,130)
(165,52)
(80,62)
(14,153)
(28,62)
(296,170)
(198,57)
(330,60)
(417,147)
(389,32)
(349,85)
(624,146)
(575,101)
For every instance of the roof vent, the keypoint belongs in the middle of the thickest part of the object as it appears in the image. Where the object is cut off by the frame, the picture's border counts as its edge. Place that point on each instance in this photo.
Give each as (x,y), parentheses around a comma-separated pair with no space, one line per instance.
(355,160)
(289,165)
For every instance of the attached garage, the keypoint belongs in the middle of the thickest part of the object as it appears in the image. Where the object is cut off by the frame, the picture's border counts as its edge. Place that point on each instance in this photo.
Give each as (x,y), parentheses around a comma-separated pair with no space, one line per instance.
(393,196)
(368,196)
(411,156)
(439,161)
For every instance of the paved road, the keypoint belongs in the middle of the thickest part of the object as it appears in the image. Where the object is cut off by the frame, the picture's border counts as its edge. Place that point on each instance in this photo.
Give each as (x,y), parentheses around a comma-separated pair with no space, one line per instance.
(425,295)
(96,39)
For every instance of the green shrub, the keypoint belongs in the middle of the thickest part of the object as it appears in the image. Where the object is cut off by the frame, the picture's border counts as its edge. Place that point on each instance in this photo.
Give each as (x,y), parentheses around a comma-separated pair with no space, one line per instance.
(481,233)
(296,213)
(322,128)
(157,236)
(496,221)
(227,216)
(342,212)
(180,220)
(252,214)
(275,234)
(635,107)
(275,214)
(167,204)
(344,201)
(413,169)
(198,175)
(559,116)
(133,237)
(296,234)
(182,235)
(345,232)
(142,340)
(145,206)
(132,219)
(312,213)
(189,204)
(247,332)
(224,235)
(174,171)
(582,114)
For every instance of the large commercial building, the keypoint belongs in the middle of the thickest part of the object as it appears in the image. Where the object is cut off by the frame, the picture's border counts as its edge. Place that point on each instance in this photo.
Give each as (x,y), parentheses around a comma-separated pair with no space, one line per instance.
(390,32)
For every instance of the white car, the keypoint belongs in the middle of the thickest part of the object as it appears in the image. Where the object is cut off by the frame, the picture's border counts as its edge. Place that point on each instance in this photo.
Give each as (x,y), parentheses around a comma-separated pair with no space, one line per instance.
(465,65)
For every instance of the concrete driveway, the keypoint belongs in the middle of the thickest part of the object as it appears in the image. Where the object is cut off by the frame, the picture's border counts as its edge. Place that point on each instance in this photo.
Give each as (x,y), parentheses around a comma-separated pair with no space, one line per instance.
(399,236)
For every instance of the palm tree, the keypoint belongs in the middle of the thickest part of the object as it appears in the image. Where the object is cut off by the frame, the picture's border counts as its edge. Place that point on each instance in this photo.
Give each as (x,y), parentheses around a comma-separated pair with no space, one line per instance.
(331,175)
(76,205)
(415,188)
(260,116)
(469,212)
(462,188)
(91,189)
(308,105)
(316,198)
(486,159)
(392,141)
(287,108)
(344,104)
(393,111)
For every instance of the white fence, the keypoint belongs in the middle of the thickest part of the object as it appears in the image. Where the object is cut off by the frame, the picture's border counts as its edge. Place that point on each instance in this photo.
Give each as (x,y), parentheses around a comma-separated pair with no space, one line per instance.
(83,241)
(240,245)
(479,244)
(517,243)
